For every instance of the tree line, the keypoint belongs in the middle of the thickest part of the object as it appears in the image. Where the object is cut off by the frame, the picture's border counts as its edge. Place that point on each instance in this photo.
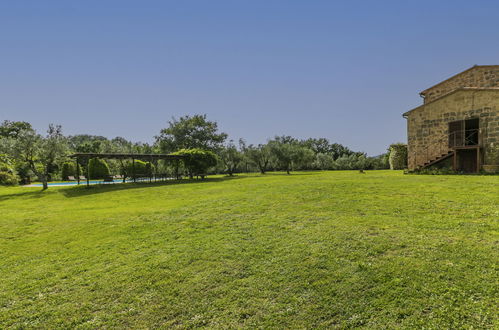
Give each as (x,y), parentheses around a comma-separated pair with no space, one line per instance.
(26,155)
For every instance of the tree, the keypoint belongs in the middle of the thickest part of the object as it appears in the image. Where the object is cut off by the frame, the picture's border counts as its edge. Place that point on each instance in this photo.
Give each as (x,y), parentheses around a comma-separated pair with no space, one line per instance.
(398,156)
(188,132)
(259,155)
(139,168)
(8,175)
(98,169)
(231,158)
(288,152)
(41,154)
(197,161)
(323,161)
(69,169)
(11,129)
(318,146)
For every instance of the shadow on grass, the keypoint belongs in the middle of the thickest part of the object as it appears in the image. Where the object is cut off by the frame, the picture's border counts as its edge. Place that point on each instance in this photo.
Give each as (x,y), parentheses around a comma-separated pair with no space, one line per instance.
(38,193)
(83,190)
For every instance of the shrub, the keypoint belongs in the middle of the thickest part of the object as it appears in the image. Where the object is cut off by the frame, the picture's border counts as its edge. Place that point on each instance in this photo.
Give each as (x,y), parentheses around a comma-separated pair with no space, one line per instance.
(197,161)
(8,175)
(8,179)
(98,169)
(139,168)
(323,162)
(398,156)
(69,169)
(24,172)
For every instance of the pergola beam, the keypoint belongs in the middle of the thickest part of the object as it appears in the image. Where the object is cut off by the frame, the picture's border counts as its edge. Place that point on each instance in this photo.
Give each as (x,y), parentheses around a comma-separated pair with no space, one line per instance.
(126,156)
(120,156)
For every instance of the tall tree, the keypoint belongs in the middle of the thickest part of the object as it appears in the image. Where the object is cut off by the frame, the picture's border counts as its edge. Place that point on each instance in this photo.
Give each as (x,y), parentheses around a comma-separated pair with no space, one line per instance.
(40,153)
(189,133)
(231,158)
(259,155)
(288,152)
(11,129)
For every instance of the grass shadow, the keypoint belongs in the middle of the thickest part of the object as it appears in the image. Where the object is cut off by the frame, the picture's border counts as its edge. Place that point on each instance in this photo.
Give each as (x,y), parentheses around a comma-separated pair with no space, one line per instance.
(83,190)
(38,193)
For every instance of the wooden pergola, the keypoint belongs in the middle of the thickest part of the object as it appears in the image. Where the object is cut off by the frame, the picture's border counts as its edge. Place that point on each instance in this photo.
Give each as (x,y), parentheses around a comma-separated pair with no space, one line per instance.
(152,158)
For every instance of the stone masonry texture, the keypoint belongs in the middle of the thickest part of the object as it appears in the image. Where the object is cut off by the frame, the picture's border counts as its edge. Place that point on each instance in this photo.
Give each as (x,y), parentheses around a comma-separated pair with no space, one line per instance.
(472,95)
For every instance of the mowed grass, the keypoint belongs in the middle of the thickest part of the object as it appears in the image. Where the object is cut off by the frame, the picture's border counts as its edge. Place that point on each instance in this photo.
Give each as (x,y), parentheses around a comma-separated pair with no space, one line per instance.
(307,250)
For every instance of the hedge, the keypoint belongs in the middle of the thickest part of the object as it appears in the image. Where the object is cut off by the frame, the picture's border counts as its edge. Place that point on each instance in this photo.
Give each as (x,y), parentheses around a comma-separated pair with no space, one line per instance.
(98,169)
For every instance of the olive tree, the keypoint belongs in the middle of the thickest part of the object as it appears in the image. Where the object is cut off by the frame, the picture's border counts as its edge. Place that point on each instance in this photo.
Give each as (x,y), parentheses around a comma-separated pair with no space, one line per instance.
(259,155)
(197,161)
(289,153)
(231,158)
(188,132)
(40,153)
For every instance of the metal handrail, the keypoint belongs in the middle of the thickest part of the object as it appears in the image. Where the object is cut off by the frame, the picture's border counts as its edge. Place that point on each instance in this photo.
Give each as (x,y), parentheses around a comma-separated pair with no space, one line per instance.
(462,138)
(445,145)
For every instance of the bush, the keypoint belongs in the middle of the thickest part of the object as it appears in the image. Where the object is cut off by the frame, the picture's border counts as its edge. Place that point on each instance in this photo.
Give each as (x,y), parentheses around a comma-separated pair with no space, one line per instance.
(398,156)
(355,161)
(8,175)
(24,172)
(323,162)
(139,168)
(69,169)
(197,161)
(8,179)
(98,169)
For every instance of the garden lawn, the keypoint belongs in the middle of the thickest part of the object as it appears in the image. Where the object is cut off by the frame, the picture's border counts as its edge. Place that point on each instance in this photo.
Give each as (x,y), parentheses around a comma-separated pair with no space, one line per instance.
(306,250)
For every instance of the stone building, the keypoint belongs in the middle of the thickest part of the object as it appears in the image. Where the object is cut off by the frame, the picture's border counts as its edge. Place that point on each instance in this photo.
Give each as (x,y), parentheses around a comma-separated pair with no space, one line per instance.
(458,123)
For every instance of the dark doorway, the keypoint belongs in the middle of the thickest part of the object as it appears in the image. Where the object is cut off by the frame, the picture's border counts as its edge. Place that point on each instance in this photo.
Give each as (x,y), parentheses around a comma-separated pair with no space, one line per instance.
(456,133)
(467,160)
(471,132)
(464,133)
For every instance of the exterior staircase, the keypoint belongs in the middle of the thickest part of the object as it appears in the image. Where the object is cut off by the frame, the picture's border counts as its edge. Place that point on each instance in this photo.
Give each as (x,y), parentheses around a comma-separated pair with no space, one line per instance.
(436,159)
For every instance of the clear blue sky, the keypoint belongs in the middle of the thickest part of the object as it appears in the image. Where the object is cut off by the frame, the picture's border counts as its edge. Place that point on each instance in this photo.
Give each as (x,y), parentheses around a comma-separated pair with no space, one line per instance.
(344,70)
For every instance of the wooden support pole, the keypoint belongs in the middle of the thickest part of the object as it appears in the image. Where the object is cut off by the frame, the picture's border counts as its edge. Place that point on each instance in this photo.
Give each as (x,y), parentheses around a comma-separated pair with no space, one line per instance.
(88,172)
(478,160)
(150,173)
(133,170)
(77,171)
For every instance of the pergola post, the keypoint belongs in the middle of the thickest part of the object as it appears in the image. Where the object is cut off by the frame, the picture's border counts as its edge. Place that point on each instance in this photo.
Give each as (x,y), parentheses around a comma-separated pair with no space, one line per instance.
(88,172)
(133,170)
(155,171)
(77,170)
(150,165)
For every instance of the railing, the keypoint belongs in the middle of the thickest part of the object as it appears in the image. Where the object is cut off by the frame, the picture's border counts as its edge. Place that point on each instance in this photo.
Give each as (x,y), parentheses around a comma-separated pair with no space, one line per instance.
(431,152)
(444,145)
(463,138)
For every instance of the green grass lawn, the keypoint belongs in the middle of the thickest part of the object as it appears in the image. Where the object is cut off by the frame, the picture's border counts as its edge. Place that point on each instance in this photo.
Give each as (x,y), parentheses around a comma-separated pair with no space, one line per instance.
(314,249)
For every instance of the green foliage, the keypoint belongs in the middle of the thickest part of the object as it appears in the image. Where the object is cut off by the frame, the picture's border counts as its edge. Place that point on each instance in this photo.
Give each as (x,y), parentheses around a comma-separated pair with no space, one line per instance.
(317,250)
(139,169)
(260,156)
(197,161)
(356,161)
(287,153)
(98,169)
(12,129)
(398,156)
(323,146)
(24,172)
(69,169)
(231,158)
(8,175)
(188,132)
(323,162)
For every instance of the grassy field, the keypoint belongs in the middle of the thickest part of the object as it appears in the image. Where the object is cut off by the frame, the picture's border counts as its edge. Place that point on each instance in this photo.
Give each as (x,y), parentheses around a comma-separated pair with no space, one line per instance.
(319,249)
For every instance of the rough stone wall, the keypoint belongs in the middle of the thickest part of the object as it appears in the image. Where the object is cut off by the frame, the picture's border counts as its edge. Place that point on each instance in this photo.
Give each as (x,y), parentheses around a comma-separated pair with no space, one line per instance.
(477,76)
(428,125)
